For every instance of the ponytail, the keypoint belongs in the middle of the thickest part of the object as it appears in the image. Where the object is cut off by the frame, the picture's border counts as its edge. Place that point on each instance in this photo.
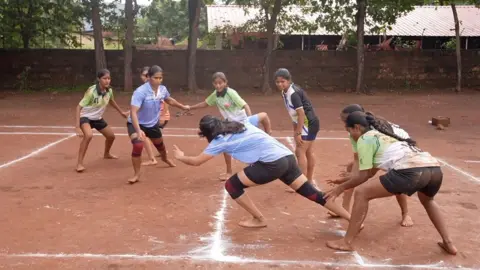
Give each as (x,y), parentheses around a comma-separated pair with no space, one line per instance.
(211,127)
(383,126)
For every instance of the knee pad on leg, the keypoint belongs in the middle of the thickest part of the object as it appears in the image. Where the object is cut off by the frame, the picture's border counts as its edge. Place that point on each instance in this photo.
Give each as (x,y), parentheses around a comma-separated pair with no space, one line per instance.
(234,187)
(311,193)
(160,147)
(137,148)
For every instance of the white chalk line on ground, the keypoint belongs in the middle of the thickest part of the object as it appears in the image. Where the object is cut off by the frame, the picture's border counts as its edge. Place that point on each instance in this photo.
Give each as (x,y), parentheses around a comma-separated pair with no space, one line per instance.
(472,161)
(226,259)
(36,151)
(125,134)
(167,128)
(471,177)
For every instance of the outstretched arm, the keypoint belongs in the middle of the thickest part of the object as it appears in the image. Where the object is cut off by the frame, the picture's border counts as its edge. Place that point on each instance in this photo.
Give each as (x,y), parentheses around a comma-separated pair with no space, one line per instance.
(190,160)
(172,102)
(200,105)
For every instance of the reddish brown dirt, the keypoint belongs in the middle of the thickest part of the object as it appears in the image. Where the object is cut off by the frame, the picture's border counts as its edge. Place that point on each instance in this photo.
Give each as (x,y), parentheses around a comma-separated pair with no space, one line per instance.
(48,208)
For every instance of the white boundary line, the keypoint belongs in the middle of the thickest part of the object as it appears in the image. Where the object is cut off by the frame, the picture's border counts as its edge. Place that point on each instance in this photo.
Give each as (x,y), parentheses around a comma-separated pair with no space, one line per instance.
(472,161)
(226,259)
(125,134)
(468,175)
(35,152)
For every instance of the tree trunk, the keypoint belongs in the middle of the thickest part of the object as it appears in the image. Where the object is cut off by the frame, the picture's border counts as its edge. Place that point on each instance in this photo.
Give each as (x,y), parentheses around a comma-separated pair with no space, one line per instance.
(100,58)
(457,49)
(127,49)
(193,19)
(271,23)
(360,17)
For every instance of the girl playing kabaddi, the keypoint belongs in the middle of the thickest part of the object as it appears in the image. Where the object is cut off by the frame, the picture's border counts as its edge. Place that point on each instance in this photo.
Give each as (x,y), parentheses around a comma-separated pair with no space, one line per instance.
(305,122)
(408,170)
(89,114)
(233,108)
(144,118)
(269,160)
(164,118)
(352,168)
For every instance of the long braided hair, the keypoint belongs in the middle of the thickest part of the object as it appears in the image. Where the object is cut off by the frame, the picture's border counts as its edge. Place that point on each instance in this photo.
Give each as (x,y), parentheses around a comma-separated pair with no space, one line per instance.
(383,126)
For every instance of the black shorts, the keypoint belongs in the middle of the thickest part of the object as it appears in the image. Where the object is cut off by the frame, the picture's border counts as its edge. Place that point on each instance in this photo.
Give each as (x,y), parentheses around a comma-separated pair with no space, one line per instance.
(408,181)
(96,124)
(313,129)
(151,132)
(286,169)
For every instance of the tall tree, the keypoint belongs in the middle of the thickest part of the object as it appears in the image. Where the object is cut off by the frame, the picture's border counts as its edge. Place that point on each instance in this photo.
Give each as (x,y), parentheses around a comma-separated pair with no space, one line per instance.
(41,22)
(130,13)
(336,16)
(193,21)
(274,16)
(94,11)
(457,22)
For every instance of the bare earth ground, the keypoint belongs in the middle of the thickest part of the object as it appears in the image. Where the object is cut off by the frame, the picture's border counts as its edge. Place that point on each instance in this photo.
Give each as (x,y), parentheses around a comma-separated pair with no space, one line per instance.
(181,218)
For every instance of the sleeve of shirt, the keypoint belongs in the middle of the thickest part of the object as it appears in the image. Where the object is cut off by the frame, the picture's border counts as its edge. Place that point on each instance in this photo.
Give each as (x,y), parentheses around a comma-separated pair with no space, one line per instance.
(296,101)
(354,145)
(215,148)
(166,94)
(212,99)
(111,93)
(137,99)
(236,98)
(366,147)
(87,98)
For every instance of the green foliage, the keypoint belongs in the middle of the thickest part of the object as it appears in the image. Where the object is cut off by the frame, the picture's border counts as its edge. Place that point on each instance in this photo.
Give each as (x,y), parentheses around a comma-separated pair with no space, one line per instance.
(167,18)
(40,23)
(339,16)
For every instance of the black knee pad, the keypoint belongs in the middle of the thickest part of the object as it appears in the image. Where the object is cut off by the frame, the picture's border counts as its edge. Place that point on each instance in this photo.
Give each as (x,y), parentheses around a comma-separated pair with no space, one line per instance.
(160,147)
(310,192)
(234,187)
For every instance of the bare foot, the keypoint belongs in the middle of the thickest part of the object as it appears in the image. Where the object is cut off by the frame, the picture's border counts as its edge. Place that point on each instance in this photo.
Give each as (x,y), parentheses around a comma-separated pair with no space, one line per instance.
(80,168)
(253,223)
(289,189)
(224,176)
(406,221)
(149,162)
(339,245)
(134,179)
(109,156)
(333,215)
(169,162)
(448,247)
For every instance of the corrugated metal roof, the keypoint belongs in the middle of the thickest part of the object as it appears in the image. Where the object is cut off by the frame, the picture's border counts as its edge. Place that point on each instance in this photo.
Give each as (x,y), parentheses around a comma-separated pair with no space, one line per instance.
(423,20)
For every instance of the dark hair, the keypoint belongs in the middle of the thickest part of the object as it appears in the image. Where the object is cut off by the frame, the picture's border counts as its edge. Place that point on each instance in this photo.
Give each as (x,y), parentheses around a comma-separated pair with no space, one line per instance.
(211,127)
(154,69)
(353,108)
(368,120)
(219,75)
(145,69)
(102,72)
(283,73)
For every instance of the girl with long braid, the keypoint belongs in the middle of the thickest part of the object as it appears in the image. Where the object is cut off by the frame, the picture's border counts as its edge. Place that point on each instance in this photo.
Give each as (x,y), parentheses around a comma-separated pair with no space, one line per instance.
(269,160)
(379,123)
(408,170)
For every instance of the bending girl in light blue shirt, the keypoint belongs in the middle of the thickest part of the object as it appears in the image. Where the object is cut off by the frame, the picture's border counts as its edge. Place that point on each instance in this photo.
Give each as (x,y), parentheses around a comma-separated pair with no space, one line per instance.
(268,160)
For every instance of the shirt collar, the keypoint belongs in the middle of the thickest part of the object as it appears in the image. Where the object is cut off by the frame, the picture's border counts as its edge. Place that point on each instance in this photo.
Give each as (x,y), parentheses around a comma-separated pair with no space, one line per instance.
(99,90)
(223,93)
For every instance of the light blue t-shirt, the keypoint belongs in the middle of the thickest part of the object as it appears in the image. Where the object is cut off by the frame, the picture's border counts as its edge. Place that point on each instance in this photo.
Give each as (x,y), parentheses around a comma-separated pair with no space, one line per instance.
(250,146)
(149,104)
